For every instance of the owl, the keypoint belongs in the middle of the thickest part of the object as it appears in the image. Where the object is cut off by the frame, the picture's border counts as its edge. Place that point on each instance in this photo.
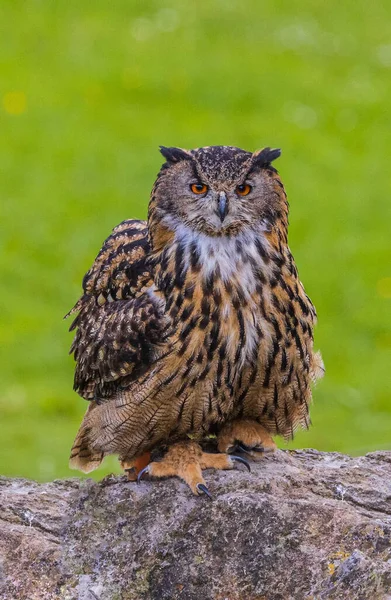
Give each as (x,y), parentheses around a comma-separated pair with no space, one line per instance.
(194,324)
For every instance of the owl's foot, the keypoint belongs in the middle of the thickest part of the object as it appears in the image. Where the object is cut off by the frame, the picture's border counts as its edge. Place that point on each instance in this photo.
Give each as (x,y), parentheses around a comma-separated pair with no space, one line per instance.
(133,467)
(245,436)
(187,460)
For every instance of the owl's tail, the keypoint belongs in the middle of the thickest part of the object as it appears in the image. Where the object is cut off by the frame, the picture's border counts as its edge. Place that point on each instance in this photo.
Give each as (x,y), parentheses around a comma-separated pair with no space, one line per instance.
(83,456)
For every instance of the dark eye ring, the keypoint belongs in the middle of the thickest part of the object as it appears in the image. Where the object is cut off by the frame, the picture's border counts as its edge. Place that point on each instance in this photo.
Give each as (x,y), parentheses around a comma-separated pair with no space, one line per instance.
(199,188)
(244,189)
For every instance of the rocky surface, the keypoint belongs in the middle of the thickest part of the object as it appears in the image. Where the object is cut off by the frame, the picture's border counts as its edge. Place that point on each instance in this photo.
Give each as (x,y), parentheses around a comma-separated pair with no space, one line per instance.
(302,525)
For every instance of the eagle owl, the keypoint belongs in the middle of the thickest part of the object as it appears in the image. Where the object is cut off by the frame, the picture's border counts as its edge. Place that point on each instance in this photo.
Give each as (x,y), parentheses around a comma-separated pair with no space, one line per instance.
(194,325)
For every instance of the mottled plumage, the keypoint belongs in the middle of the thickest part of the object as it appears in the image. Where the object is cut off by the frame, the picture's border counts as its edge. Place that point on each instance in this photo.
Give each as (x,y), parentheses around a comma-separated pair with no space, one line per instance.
(196,320)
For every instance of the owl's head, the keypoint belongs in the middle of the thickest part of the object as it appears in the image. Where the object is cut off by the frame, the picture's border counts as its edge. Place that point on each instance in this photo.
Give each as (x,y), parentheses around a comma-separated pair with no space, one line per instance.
(218,190)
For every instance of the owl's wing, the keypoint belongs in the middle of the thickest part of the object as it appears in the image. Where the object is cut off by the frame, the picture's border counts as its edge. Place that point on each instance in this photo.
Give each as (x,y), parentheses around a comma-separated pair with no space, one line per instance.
(120,326)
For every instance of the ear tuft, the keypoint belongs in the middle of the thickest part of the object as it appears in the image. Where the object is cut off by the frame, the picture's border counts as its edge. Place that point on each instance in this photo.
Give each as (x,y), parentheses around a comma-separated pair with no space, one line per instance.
(263,158)
(174,155)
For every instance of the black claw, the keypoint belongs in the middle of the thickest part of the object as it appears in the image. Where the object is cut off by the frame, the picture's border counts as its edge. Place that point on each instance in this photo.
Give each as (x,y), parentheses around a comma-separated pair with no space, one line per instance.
(142,472)
(243,461)
(202,488)
(239,448)
(250,449)
(243,448)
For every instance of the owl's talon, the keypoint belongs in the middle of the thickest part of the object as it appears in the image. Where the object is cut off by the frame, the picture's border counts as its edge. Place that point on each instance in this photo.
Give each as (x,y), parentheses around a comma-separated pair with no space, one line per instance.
(142,473)
(240,448)
(250,449)
(187,460)
(241,460)
(244,448)
(202,489)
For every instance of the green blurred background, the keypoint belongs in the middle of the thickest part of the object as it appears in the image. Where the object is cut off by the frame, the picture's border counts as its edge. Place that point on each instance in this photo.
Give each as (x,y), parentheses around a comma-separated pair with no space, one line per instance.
(88,90)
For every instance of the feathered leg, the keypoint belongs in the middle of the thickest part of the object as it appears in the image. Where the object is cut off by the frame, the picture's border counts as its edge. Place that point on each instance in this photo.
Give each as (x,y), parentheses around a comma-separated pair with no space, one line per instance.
(247,436)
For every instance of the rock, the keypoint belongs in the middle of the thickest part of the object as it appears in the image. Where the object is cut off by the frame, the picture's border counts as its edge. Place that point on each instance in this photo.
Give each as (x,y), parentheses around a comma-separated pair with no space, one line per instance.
(302,525)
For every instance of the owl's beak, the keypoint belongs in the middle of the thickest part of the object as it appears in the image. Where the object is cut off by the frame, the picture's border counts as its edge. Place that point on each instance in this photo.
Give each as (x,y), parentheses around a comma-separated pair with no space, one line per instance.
(222,206)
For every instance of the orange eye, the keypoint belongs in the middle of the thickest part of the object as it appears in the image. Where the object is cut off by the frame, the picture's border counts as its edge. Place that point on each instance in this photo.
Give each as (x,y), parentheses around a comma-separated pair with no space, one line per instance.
(244,189)
(199,188)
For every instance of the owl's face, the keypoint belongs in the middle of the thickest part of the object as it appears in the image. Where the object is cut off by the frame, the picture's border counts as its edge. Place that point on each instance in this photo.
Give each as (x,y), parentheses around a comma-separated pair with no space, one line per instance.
(218,190)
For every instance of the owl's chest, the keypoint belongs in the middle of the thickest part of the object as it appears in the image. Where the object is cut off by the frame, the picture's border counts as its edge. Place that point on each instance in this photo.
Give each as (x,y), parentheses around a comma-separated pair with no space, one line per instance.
(217,303)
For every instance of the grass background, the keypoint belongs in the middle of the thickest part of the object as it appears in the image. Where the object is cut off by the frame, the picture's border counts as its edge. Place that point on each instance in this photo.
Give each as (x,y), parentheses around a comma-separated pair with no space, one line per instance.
(88,90)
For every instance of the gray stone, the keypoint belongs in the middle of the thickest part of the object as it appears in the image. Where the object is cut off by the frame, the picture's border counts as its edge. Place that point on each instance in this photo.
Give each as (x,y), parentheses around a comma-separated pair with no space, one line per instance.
(302,525)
